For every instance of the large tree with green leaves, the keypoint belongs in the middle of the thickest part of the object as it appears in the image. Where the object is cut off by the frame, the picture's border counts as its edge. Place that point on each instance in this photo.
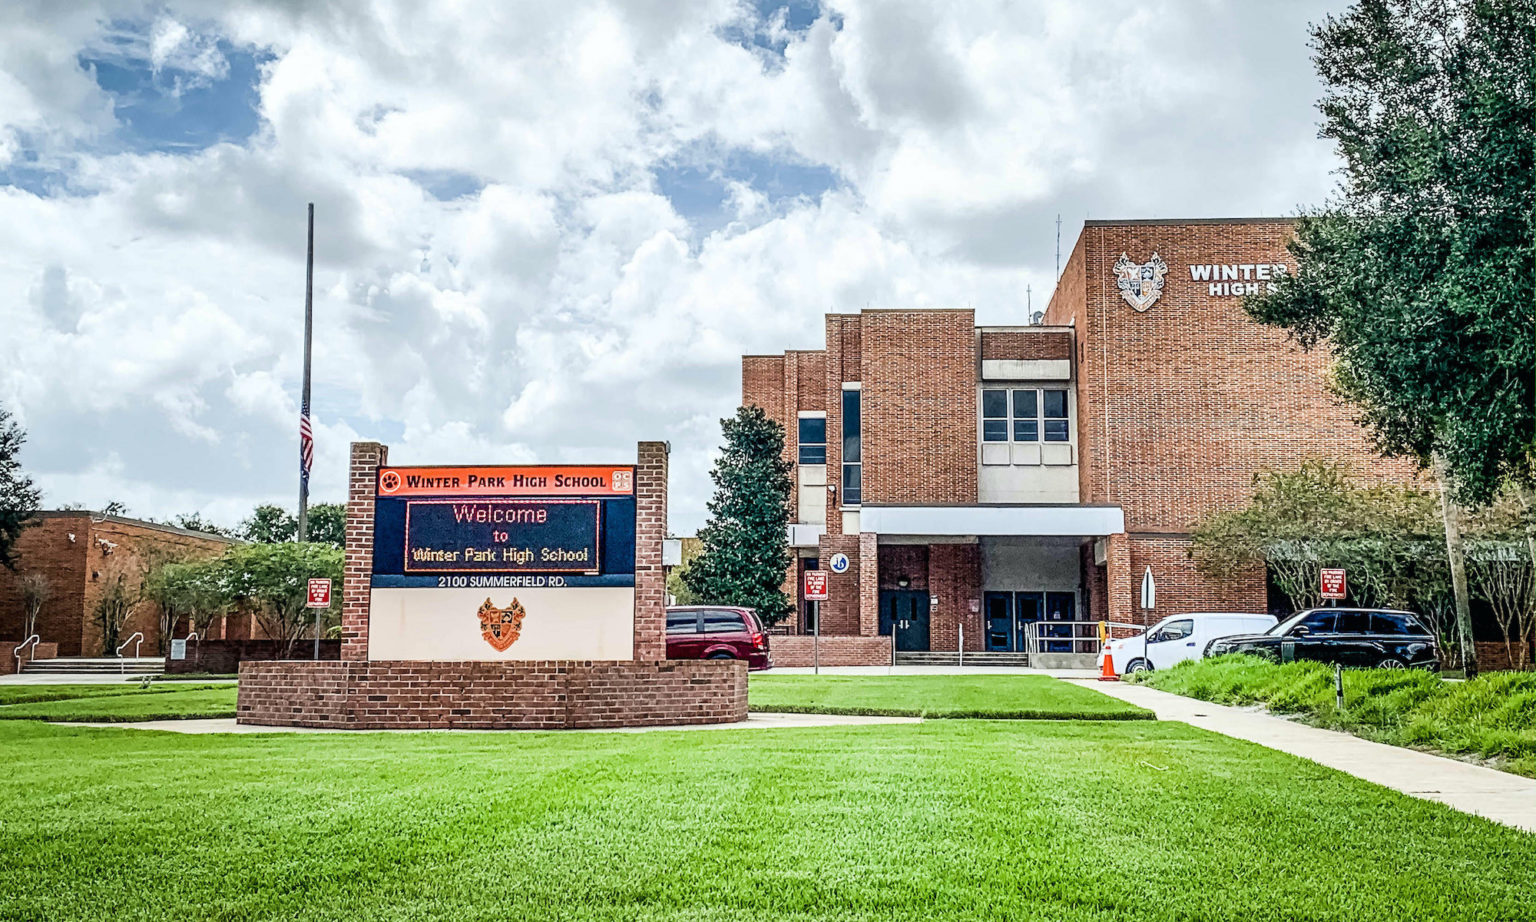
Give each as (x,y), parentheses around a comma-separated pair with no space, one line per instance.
(273,580)
(746,541)
(270,524)
(1418,273)
(18,498)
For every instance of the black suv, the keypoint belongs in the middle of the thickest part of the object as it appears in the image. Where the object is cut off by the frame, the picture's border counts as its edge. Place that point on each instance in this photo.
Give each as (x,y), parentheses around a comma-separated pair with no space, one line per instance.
(1347,636)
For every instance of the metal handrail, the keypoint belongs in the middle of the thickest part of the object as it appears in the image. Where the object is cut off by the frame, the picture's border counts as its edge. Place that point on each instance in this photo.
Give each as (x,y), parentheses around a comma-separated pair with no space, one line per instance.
(34,640)
(1079,635)
(123,664)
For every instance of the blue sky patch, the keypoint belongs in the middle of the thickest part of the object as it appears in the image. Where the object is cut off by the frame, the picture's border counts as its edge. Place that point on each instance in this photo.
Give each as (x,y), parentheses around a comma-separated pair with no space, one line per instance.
(173,111)
(445,185)
(696,182)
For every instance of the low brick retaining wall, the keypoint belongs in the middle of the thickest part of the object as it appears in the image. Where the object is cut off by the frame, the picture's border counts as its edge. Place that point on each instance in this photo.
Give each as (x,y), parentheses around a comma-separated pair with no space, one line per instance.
(535,694)
(223,656)
(37,651)
(838,650)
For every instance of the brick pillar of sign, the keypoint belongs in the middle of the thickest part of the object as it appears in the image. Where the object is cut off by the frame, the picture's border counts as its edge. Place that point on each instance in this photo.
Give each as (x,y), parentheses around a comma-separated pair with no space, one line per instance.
(650,531)
(869,584)
(357,575)
(1119,579)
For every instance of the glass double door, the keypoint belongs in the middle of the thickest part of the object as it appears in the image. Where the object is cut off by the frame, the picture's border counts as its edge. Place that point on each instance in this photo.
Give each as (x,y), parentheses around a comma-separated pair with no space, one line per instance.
(1009,614)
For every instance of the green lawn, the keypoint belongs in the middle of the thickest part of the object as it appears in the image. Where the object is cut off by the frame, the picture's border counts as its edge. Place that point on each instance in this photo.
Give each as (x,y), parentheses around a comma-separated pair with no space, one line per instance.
(942,820)
(135,704)
(23,694)
(991,696)
(1492,716)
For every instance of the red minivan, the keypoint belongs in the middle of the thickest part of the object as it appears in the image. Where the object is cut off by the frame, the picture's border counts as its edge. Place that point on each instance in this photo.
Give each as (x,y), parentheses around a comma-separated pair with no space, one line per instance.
(717,632)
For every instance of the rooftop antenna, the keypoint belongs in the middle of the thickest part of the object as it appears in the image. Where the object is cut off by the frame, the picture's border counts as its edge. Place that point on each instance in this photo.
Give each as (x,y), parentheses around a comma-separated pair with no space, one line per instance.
(1029,303)
(1058,246)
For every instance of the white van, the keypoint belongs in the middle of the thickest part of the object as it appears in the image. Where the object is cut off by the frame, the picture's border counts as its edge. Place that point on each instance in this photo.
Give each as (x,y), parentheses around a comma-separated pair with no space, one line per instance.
(1177,638)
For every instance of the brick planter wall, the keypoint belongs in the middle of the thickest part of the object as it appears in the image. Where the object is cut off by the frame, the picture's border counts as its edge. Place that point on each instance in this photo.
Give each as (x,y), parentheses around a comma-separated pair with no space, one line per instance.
(532,695)
(835,650)
(223,656)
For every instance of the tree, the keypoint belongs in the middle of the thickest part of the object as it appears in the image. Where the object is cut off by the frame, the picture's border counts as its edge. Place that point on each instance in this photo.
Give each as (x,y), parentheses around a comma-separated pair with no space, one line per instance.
(36,590)
(270,524)
(121,592)
(18,498)
(273,580)
(190,589)
(746,541)
(1415,275)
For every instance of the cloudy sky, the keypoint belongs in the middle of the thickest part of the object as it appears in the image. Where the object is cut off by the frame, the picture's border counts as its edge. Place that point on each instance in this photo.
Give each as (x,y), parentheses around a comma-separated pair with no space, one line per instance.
(548,230)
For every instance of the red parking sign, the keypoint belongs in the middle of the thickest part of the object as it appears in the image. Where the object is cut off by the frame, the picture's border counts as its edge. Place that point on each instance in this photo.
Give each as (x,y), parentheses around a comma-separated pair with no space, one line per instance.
(815,585)
(1334,586)
(319,593)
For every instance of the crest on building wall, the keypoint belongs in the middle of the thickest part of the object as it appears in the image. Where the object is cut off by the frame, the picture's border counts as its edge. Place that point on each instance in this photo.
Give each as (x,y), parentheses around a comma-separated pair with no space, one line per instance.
(501,626)
(1140,284)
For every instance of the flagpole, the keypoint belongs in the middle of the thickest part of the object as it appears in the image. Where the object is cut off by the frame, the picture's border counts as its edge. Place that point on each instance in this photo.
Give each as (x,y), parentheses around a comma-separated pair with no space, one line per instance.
(309,329)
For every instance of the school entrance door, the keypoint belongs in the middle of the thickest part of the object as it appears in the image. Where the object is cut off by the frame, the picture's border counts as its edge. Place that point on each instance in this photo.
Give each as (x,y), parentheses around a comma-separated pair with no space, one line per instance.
(905,612)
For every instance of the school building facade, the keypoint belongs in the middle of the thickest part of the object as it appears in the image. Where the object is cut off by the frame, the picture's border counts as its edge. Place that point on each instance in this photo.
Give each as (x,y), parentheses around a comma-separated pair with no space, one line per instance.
(1002,488)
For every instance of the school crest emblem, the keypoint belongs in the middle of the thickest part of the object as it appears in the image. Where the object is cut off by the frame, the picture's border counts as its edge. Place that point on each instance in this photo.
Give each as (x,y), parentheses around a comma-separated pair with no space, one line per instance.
(501,626)
(1140,284)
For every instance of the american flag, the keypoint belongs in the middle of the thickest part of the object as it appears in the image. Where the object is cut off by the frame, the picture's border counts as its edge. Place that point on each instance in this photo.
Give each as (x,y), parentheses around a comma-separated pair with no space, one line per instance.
(306,447)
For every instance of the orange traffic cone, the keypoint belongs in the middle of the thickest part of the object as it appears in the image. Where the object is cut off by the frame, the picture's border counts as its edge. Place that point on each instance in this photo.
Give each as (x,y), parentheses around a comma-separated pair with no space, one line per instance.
(1107,673)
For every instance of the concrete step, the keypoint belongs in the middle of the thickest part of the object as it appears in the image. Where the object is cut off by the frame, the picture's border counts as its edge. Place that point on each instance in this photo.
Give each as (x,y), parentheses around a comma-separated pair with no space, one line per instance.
(97,665)
(951,658)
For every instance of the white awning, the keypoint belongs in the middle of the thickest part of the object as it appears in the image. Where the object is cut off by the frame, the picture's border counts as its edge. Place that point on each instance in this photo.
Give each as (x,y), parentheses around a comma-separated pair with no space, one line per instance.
(986,521)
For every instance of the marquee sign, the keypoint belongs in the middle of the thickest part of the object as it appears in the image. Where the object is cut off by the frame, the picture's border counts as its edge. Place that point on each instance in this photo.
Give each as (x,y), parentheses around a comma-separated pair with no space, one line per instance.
(513,562)
(504,527)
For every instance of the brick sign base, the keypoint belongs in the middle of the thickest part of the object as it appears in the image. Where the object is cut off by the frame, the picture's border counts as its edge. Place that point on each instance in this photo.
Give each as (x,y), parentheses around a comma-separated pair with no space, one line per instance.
(523,695)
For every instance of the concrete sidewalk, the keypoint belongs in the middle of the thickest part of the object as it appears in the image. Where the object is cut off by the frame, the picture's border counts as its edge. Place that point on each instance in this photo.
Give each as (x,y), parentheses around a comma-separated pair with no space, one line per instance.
(1486,792)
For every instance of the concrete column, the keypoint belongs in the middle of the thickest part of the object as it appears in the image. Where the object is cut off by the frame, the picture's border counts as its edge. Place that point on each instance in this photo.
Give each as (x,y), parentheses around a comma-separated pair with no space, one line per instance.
(650,531)
(869,584)
(357,568)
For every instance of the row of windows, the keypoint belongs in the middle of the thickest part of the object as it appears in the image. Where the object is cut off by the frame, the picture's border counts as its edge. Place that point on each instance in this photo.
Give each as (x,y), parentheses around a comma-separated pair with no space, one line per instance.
(1024,414)
(812,439)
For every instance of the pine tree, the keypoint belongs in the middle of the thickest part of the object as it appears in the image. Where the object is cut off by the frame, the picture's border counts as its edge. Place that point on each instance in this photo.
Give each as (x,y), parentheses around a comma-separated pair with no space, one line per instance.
(746,541)
(18,498)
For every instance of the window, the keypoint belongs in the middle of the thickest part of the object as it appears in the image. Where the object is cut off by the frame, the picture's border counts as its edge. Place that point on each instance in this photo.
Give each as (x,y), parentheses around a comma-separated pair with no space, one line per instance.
(1353,622)
(812,439)
(1395,625)
(853,466)
(1024,414)
(1173,630)
(682,622)
(1318,622)
(724,622)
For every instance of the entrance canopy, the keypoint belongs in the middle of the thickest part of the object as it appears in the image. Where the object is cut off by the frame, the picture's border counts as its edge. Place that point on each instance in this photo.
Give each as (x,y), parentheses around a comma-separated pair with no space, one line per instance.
(1095,521)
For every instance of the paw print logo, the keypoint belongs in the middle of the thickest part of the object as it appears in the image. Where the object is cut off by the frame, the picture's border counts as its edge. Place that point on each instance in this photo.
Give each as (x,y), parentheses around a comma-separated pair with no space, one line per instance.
(389,482)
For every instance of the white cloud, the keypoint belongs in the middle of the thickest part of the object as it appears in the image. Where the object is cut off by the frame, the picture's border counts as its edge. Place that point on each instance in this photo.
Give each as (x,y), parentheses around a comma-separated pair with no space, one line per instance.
(558,305)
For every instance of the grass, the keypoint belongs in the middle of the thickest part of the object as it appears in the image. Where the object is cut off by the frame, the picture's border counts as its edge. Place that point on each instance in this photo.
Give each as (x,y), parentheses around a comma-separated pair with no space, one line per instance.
(24,694)
(130,705)
(942,820)
(1491,717)
(985,696)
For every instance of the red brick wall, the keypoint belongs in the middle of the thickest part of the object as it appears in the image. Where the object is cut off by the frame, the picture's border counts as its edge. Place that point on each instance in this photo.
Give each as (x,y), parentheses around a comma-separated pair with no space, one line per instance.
(762,384)
(954,576)
(1026,346)
(1194,398)
(904,561)
(842,365)
(650,531)
(357,574)
(919,406)
(1181,587)
(545,695)
(78,571)
(45,547)
(835,651)
(840,612)
(225,656)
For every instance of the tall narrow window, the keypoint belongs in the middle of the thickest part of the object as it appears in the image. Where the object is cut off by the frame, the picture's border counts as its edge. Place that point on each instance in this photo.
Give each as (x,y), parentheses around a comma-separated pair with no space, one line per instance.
(994,416)
(853,466)
(1055,415)
(813,440)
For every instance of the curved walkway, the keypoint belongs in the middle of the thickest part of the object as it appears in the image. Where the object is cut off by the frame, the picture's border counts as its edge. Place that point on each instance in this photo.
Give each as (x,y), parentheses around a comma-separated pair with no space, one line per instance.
(1486,792)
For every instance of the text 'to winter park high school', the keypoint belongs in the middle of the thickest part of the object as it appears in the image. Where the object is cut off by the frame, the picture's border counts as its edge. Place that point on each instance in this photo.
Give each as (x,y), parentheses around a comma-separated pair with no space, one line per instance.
(1014,483)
